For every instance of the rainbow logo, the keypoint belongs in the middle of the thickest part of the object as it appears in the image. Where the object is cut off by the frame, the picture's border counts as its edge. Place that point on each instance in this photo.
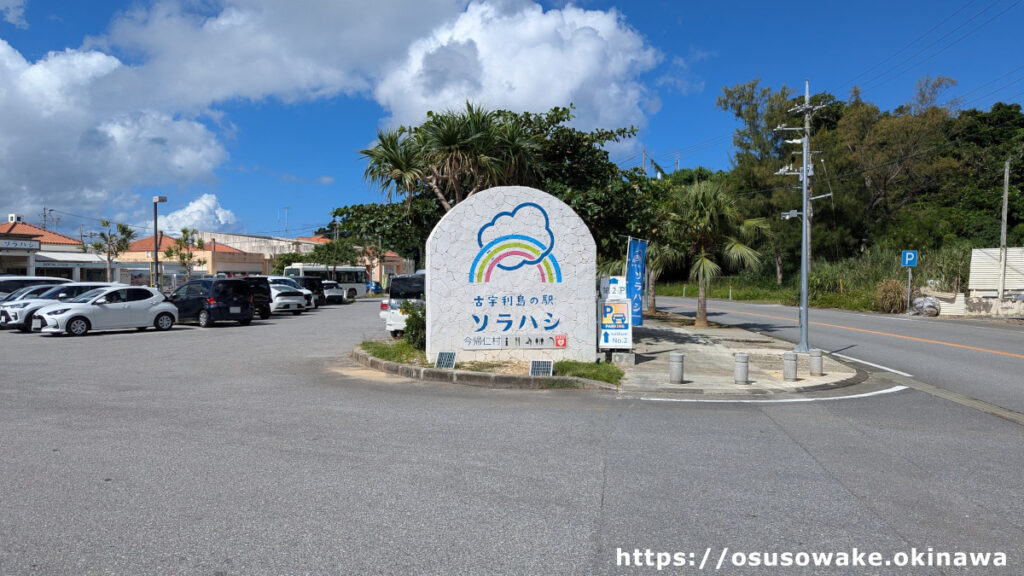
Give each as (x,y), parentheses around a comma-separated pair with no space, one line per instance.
(512,240)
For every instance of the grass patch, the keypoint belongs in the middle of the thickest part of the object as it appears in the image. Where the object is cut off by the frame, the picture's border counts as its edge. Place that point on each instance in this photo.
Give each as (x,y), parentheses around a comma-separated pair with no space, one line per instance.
(480,366)
(395,351)
(590,370)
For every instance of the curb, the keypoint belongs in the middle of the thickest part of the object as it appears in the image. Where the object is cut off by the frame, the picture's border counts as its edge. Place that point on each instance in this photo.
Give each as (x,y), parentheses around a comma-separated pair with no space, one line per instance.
(479,379)
(860,377)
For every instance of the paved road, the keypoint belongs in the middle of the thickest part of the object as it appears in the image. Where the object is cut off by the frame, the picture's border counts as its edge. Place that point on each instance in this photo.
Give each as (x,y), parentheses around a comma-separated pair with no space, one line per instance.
(262,450)
(980,359)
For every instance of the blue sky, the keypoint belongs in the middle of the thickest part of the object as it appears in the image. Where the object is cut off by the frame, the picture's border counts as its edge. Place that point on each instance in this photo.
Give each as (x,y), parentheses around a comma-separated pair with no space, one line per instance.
(236,109)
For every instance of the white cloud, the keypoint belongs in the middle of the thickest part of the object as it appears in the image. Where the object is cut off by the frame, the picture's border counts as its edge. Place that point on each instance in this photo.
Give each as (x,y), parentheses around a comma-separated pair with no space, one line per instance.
(517,56)
(65,144)
(14,12)
(204,213)
(138,107)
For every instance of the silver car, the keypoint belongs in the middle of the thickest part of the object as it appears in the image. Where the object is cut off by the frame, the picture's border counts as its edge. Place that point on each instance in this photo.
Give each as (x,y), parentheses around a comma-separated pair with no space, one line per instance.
(110,308)
(18,313)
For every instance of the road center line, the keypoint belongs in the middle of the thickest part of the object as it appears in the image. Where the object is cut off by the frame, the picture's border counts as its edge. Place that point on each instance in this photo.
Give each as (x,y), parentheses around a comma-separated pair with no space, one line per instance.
(878,333)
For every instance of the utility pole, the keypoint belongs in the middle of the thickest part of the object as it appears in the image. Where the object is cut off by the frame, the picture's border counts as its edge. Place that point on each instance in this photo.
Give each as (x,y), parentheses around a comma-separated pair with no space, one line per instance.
(805,173)
(44,217)
(1002,232)
(286,209)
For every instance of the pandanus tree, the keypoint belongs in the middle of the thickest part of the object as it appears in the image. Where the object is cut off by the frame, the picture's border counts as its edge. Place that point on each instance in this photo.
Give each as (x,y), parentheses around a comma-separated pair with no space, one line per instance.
(454,154)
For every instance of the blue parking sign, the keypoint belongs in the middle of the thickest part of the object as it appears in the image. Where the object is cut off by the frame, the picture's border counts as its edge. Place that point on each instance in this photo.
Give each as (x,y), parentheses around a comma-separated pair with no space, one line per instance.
(909,258)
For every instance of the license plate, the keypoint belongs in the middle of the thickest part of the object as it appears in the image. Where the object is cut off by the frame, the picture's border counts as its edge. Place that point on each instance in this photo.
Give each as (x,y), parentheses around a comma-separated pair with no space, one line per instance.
(37,323)
(236,309)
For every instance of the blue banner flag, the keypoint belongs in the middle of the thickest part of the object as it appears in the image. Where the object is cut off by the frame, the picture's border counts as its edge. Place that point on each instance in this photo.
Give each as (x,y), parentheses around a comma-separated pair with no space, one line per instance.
(636,271)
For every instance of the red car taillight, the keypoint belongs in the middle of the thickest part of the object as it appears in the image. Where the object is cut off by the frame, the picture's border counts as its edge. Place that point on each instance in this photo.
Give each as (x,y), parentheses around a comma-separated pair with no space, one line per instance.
(383,304)
(211,301)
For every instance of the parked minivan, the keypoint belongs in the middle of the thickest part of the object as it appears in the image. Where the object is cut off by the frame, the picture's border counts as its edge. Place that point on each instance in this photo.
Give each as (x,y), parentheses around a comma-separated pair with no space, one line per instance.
(314,285)
(261,296)
(401,288)
(9,282)
(211,300)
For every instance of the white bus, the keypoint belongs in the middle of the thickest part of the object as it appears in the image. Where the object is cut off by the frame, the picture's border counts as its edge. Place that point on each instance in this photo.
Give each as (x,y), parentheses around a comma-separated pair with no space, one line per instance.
(352,279)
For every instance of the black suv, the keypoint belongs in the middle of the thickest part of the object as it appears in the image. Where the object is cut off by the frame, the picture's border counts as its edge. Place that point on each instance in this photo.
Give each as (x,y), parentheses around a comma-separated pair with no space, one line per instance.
(261,296)
(214,299)
(314,285)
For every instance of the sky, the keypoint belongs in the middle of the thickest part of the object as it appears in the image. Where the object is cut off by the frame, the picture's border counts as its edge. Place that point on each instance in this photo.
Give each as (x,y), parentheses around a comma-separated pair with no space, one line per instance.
(249,115)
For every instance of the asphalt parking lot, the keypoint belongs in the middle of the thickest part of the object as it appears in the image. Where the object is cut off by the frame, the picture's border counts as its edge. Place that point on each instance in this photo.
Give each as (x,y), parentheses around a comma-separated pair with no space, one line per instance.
(265,450)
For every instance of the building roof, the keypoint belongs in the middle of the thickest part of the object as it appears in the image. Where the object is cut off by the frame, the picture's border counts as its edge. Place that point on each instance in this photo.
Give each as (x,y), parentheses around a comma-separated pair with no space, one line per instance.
(318,239)
(146,245)
(44,236)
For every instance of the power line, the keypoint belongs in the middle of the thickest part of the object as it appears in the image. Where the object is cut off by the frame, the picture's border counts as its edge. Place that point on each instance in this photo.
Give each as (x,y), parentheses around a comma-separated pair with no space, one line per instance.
(908,45)
(944,48)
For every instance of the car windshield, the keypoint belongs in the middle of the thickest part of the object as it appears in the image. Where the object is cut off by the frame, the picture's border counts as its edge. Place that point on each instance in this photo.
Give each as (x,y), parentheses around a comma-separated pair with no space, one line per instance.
(19,293)
(52,293)
(286,282)
(87,296)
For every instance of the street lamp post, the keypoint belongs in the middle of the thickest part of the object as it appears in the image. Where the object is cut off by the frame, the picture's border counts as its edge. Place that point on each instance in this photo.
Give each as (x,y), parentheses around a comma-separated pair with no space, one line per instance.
(155,276)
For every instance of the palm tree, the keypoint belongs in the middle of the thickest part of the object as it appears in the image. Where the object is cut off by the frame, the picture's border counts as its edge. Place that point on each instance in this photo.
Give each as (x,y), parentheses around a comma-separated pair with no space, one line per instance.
(112,244)
(184,249)
(708,226)
(455,154)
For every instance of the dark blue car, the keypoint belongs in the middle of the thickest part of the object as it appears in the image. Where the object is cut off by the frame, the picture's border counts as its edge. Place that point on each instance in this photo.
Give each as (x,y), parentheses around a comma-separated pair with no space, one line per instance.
(211,300)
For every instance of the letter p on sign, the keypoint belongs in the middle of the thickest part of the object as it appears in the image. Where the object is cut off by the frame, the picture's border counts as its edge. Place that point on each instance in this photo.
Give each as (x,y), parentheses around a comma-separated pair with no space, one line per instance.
(909,258)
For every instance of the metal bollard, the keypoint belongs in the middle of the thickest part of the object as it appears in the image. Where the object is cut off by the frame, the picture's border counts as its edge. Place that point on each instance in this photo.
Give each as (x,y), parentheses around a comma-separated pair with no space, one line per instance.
(816,369)
(741,368)
(675,367)
(789,366)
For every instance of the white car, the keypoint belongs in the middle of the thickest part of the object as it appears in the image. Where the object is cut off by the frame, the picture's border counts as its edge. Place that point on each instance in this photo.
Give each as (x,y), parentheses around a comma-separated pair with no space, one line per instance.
(401,288)
(18,314)
(291,283)
(333,292)
(285,298)
(111,308)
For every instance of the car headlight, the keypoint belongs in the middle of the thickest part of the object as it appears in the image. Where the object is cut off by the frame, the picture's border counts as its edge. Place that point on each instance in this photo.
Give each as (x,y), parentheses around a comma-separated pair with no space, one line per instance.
(17,306)
(57,312)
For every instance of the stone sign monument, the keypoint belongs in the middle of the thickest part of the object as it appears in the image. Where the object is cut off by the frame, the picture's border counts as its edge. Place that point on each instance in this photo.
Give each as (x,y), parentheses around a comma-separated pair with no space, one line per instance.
(510,276)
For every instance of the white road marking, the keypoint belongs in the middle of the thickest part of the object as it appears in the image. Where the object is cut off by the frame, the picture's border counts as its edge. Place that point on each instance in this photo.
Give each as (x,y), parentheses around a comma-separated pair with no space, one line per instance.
(879,366)
(780,400)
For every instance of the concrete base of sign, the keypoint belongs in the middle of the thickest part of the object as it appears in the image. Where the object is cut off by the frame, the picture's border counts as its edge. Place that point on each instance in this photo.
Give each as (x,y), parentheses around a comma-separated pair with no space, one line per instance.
(623,358)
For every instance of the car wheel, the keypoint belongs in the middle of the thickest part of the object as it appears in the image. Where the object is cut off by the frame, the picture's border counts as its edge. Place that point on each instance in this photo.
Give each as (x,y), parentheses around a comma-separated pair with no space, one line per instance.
(396,334)
(264,313)
(245,322)
(78,327)
(163,321)
(204,319)
(351,294)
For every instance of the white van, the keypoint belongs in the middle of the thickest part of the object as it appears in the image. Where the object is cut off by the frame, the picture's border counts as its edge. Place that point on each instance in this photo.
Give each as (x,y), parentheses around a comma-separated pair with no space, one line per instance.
(401,288)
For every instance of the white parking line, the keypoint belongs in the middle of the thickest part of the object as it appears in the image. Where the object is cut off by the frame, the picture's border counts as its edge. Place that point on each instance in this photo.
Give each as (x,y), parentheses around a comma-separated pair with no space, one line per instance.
(779,401)
(879,366)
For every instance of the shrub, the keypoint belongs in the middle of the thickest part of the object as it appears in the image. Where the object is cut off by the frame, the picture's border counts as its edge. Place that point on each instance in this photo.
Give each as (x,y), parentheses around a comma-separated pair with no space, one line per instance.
(891,296)
(415,324)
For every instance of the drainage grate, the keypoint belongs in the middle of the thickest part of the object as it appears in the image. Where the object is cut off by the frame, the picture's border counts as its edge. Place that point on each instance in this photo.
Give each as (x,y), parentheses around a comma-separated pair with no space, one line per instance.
(445,360)
(541,367)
